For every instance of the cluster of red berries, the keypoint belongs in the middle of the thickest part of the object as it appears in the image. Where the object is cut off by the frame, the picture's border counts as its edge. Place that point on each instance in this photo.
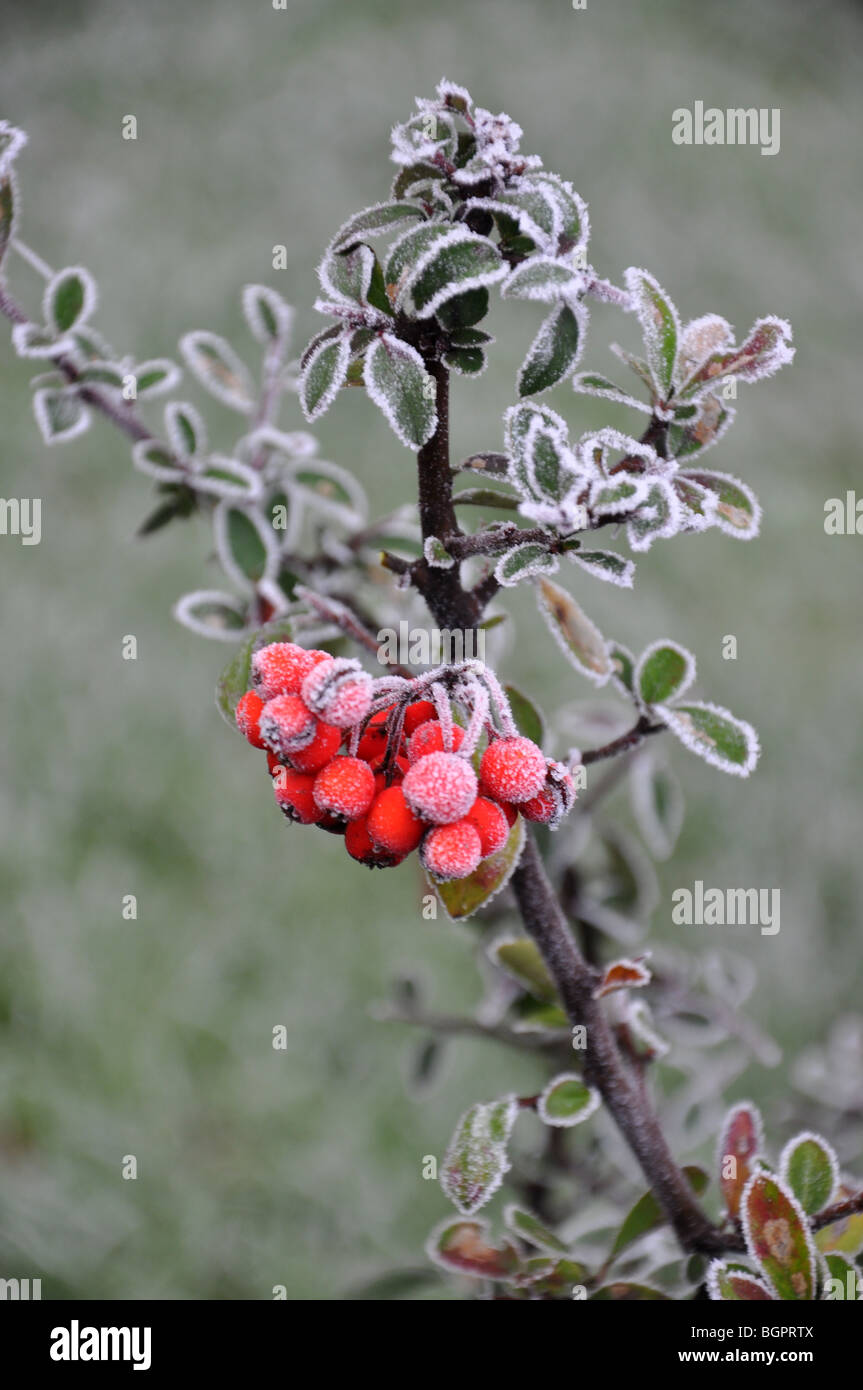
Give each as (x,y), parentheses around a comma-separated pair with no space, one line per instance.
(386,799)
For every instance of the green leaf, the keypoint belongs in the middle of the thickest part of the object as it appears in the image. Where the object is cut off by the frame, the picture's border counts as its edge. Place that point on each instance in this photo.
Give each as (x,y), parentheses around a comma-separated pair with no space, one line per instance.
(398,383)
(525,1225)
(767,347)
(211,614)
(737,509)
(69,299)
(460,262)
(622,666)
(462,897)
(476,1162)
(324,371)
(268,316)
(740,1141)
(540,278)
(60,415)
(466,361)
(528,719)
(567,1101)
(382,217)
(846,1234)
(605,564)
(236,678)
(553,352)
(486,497)
(244,543)
(219,370)
(521,959)
(659,325)
(715,735)
(464,1247)
(810,1168)
(664,669)
(840,1268)
(777,1237)
(464,311)
(730,1283)
(524,562)
(647,1214)
(578,638)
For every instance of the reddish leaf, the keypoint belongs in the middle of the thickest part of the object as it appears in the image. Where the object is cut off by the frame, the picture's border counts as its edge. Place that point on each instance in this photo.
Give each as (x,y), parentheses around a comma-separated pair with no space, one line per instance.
(739,1146)
(778,1237)
(623,974)
(463,1247)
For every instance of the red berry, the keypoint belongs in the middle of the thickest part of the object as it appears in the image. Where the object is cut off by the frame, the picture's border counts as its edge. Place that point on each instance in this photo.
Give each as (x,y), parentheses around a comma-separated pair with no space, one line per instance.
(346,786)
(513,769)
(451,851)
(286,724)
(554,800)
(392,824)
(273,764)
(247,715)
(294,794)
(398,769)
(510,811)
(340,691)
(359,846)
(440,787)
(489,822)
(281,668)
(322,749)
(334,824)
(374,740)
(418,713)
(428,738)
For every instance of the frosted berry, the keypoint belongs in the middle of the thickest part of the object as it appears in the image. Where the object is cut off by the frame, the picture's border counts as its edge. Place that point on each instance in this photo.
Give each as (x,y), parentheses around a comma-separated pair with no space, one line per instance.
(286,724)
(392,824)
(247,715)
(554,800)
(513,769)
(281,668)
(428,738)
(322,749)
(360,847)
(490,823)
(294,794)
(440,788)
(374,740)
(346,786)
(418,713)
(340,691)
(451,851)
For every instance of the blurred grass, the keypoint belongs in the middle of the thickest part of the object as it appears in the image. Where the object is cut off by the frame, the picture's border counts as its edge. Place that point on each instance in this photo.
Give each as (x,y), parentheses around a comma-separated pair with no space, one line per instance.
(153,1037)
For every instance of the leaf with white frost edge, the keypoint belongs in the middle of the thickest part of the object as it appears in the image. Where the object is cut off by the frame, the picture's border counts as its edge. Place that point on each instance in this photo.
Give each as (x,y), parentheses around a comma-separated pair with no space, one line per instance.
(156,377)
(525,1225)
(766,348)
(456,264)
(219,476)
(30,340)
(60,415)
(617,496)
(436,555)
(778,1237)
(660,326)
(328,489)
(714,734)
(607,565)
(211,614)
(732,1283)
(555,350)
(664,671)
(698,339)
(398,383)
(152,458)
(595,384)
(69,298)
(464,1247)
(524,562)
(622,667)
(219,370)
(737,511)
(185,428)
(741,1137)
(246,545)
(346,276)
(567,1101)
(542,278)
(324,373)
(578,638)
(658,518)
(476,1160)
(269,317)
(808,1164)
(372,221)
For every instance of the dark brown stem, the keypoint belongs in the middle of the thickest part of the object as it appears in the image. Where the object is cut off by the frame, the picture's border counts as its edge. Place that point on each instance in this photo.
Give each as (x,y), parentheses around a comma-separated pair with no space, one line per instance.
(849,1206)
(624,744)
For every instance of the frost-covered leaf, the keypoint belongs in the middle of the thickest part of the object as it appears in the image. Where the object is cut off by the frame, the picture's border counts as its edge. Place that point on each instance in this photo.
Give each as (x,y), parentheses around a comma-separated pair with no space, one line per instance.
(60,415)
(618,496)
(464,310)
(657,803)
(595,384)
(324,371)
(635,364)
(329,490)
(567,1101)
(578,638)
(714,734)
(664,670)
(69,299)
(845,1235)
(731,1283)
(467,361)
(462,897)
(485,497)
(766,348)
(737,510)
(659,325)
(152,458)
(699,338)
(605,564)
(464,1247)
(528,1228)
(31,340)
(406,252)
(381,217)
(740,1145)
(436,554)
(155,378)
(698,503)
(454,265)
(346,276)
(187,433)
(524,562)
(225,477)
(268,315)
(810,1168)
(658,517)
(102,374)
(647,1214)
(542,278)
(246,545)
(521,959)
(528,719)
(778,1237)
(554,351)
(236,678)
(219,370)
(476,1160)
(398,383)
(623,974)
(211,614)
(688,437)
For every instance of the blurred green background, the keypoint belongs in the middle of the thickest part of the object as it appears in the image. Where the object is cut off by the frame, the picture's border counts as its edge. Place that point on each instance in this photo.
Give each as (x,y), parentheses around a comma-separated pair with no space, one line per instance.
(153,1037)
